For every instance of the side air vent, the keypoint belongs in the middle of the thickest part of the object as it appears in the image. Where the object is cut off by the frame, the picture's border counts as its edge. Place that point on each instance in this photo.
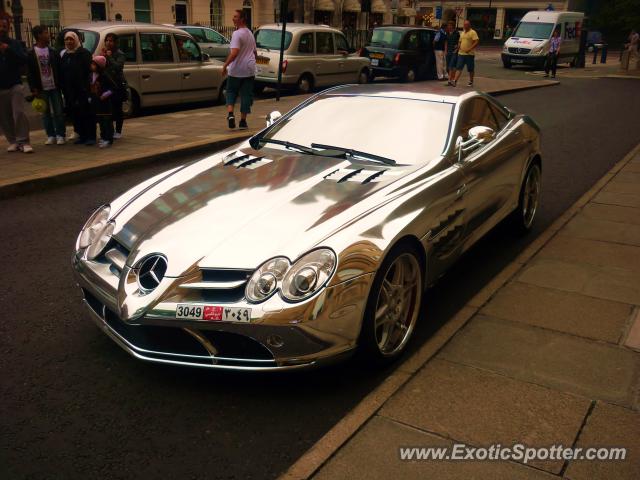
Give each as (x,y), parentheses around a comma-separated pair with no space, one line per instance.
(245,161)
(359,175)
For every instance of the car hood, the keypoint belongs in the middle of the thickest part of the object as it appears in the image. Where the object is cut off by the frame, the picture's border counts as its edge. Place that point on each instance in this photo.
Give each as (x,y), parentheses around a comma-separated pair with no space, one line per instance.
(238,210)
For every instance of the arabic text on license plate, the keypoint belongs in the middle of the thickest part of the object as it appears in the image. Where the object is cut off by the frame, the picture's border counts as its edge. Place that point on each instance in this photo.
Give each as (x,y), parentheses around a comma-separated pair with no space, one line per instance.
(374,62)
(213,313)
(517,60)
(262,60)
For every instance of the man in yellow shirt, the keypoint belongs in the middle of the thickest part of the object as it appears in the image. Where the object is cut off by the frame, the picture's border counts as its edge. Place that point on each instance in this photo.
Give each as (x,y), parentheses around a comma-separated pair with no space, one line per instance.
(466,53)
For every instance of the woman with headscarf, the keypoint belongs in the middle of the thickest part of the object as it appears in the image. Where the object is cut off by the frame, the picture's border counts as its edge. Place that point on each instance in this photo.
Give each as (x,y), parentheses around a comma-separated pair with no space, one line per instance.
(75,70)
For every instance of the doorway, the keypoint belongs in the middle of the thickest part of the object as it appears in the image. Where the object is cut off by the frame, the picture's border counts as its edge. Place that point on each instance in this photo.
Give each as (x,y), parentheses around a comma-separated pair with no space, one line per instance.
(98,11)
(181,13)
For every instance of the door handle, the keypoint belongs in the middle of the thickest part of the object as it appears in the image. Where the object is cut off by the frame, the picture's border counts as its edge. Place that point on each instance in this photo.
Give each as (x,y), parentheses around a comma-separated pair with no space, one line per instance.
(462,190)
(146,77)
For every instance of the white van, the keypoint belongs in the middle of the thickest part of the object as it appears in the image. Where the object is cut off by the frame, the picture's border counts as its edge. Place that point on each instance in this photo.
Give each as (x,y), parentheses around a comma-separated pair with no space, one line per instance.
(529,42)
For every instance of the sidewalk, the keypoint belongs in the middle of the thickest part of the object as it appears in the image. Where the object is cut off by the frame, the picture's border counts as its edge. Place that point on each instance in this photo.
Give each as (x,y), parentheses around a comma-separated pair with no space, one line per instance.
(157,137)
(547,354)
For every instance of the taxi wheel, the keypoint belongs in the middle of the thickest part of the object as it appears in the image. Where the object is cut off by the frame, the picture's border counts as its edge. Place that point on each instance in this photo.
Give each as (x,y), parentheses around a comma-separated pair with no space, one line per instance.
(131,106)
(305,84)
(363,77)
(506,64)
(410,76)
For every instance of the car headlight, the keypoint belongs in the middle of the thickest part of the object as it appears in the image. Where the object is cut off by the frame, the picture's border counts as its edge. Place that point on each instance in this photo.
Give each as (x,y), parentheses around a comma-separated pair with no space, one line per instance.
(96,232)
(101,241)
(505,49)
(308,275)
(266,279)
(537,50)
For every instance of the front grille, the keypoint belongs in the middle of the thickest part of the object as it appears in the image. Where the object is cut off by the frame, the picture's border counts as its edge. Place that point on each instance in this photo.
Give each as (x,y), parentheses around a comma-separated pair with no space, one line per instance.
(520,51)
(232,345)
(220,285)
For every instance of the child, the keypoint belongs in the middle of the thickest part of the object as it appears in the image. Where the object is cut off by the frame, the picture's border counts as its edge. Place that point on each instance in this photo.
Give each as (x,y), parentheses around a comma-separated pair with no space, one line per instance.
(102,87)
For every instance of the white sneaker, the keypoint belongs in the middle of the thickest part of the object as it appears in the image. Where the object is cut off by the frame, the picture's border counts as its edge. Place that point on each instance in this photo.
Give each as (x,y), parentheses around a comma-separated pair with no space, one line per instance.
(103,144)
(26,148)
(61,140)
(50,141)
(117,135)
(13,147)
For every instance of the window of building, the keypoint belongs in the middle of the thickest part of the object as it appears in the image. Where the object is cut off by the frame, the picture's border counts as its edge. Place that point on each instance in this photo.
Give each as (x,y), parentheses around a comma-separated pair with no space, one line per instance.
(49,12)
(247,9)
(216,13)
(156,47)
(143,11)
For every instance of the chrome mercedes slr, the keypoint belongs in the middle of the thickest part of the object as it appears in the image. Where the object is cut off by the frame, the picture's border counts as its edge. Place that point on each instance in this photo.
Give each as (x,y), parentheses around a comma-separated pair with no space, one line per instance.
(315,237)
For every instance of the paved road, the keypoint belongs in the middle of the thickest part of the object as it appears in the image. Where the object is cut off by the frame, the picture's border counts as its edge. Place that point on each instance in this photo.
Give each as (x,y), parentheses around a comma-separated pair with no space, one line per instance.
(74,405)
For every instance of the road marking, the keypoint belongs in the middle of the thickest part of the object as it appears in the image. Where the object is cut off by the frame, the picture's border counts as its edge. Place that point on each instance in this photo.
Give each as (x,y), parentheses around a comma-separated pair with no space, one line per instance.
(347,427)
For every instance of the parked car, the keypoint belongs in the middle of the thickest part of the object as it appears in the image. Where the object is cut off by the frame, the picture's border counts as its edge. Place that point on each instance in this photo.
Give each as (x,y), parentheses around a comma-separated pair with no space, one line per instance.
(316,236)
(165,65)
(529,43)
(404,52)
(211,42)
(314,56)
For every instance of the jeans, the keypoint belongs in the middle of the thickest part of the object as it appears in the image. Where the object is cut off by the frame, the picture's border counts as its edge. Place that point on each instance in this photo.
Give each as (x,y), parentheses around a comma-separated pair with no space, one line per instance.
(13,119)
(468,60)
(551,63)
(116,106)
(53,117)
(242,86)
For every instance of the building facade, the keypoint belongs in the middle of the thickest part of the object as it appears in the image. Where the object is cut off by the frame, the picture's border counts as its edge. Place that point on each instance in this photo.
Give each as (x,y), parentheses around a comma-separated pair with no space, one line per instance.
(489,18)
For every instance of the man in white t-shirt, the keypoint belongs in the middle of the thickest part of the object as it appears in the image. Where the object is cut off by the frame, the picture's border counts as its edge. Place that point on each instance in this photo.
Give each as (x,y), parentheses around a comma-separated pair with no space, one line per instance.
(241,68)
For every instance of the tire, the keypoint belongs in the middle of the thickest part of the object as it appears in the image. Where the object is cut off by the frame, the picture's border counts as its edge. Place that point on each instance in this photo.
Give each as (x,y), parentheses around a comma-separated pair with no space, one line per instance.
(131,106)
(410,75)
(258,88)
(528,200)
(305,83)
(384,340)
(506,64)
(363,76)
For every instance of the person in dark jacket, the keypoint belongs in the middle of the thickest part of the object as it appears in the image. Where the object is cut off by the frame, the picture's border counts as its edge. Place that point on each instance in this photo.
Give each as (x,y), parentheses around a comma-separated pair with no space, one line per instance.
(75,74)
(43,74)
(13,119)
(115,69)
(102,88)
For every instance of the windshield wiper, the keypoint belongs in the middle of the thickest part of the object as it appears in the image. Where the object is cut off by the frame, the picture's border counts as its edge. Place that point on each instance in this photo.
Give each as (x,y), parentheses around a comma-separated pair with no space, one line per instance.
(286,144)
(356,153)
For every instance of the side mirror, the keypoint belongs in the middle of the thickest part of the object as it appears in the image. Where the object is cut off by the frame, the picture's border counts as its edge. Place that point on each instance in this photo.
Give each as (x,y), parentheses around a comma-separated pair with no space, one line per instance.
(204,57)
(481,134)
(273,117)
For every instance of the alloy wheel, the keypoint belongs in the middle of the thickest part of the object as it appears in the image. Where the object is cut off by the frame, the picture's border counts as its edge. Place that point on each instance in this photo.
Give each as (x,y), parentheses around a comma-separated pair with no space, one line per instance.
(531,196)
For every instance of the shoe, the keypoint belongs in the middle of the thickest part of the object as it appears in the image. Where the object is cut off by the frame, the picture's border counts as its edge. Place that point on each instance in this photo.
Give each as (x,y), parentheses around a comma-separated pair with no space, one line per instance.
(243,125)
(104,144)
(75,136)
(453,83)
(117,135)
(470,84)
(546,75)
(50,141)
(90,142)
(13,148)
(61,140)
(553,76)
(26,148)
(79,141)
(232,120)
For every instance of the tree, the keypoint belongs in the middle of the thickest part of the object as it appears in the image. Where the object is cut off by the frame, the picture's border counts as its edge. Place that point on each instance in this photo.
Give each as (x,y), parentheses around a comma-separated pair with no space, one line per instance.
(616,18)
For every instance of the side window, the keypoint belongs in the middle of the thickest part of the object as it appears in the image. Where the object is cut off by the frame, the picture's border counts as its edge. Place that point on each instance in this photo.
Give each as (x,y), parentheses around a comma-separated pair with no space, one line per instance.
(197,33)
(305,45)
(325,43)
(127,43)
(426,40)
(156,47)
(212,36)
(341,43)
(188,50)
(411,41)
(476,112)
(500,115)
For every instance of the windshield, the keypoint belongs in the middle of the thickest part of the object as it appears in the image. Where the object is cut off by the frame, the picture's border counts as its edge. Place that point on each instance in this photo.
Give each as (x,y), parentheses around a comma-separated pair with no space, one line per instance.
(408,131)
(533,30)
(271,39)
(386,38)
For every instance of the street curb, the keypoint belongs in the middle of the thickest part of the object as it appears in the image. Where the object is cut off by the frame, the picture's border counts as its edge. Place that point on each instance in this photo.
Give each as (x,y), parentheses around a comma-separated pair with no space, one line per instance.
(324,449)
(547,83)
(35,184)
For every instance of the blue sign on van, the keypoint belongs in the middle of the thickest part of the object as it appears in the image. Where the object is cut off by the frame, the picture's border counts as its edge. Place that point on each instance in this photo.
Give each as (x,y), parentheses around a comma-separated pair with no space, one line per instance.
(438,12)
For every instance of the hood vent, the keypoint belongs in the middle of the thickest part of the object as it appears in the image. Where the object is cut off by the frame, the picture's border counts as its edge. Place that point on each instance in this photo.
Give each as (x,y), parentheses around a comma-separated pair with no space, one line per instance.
(245,161)
(359,175)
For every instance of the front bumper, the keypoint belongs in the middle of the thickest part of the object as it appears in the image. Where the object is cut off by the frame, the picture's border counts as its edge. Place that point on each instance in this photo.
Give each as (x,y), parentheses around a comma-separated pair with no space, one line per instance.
(530,60)
(280,336)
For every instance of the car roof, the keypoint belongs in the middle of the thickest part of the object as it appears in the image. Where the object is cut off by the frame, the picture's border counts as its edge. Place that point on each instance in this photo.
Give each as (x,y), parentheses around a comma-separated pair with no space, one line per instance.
(104,26)
(403,28)
(413,91)
(294,27)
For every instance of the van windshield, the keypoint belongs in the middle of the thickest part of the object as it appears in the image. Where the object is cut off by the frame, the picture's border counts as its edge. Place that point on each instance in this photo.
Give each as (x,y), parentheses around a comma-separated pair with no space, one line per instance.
(267,38)
(533,30)
(386,38)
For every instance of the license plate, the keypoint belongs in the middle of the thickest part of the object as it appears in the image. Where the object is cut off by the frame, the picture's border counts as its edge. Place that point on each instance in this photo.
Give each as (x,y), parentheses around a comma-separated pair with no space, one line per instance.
(212,313)
(517,60)
(377,55)
(374,62)
(262,60)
